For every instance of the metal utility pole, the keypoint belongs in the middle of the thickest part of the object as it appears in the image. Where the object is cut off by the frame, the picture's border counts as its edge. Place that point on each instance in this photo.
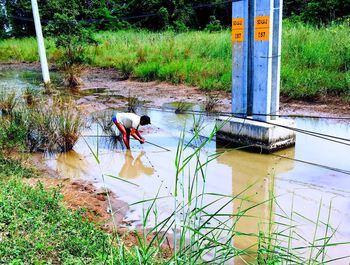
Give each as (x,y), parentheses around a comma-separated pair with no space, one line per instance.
(41,46)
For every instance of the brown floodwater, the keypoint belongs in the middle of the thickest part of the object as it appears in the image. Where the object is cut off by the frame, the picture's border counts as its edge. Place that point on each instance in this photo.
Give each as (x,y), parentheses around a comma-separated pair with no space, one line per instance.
(300,188)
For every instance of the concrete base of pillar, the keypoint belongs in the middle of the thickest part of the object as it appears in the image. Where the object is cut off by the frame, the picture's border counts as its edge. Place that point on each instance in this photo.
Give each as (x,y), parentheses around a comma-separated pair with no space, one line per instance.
(259,136)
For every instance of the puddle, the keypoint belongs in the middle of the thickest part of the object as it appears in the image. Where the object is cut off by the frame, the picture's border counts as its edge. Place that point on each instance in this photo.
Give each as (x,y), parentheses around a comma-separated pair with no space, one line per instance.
(21,80)
(297,186)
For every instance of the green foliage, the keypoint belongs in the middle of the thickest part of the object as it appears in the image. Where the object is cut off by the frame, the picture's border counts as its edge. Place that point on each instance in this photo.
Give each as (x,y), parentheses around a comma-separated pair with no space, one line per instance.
(317,11)
(214,25)
(179,15)
(70,35)
(36,229)
(3,22)
(8,168)
(12,136)
(147,71)
(315,61)
(98,11)
(73,38)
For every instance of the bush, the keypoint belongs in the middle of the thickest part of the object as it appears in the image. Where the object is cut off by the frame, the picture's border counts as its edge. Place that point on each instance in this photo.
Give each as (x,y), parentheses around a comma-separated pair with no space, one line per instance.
(73,38)
(214,25)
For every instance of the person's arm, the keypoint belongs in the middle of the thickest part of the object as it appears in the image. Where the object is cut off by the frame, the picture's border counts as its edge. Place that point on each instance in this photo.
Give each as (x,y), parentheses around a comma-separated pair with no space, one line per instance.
(139,135)
(136,134)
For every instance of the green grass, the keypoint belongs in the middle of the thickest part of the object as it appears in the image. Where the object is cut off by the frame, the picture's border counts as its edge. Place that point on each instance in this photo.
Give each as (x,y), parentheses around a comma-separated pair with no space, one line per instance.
(315,61)
(36,229)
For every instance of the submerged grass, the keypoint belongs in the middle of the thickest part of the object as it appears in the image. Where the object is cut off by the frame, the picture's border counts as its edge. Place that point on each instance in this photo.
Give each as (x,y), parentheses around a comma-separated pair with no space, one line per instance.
(315,61)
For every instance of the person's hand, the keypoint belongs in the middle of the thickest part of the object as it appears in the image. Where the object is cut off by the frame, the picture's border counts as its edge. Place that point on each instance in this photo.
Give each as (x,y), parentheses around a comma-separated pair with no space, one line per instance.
(142,140)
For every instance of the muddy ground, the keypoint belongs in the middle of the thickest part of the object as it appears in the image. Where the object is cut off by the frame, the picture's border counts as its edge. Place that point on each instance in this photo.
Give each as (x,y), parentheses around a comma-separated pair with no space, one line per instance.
(156,94)
(111,91)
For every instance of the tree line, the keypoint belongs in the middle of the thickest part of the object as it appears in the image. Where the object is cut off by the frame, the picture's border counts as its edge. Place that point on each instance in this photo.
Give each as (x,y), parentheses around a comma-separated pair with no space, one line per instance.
(16,15)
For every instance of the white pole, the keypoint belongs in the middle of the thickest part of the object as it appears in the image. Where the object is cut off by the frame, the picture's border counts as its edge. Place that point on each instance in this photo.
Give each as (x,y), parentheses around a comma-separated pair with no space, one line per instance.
(41,46)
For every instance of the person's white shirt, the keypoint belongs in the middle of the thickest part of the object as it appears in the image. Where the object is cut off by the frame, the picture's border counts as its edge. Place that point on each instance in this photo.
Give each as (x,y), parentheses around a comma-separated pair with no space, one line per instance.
(129,120)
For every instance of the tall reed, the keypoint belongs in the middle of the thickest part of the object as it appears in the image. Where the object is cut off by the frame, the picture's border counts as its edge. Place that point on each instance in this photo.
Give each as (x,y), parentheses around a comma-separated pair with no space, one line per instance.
(202,232)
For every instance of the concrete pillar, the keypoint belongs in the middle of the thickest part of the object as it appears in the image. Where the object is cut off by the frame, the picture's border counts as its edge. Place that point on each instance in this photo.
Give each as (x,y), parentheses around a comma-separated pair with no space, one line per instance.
(256,49)
(240,42)
(262,59)
(276,57)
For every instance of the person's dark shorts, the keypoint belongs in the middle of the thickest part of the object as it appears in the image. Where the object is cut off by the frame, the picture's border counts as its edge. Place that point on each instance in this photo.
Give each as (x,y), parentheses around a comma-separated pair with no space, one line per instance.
(114,118)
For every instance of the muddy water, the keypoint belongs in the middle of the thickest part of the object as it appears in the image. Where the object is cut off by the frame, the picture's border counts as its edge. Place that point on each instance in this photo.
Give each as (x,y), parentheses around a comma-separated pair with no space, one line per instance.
(21,80)
(299,187)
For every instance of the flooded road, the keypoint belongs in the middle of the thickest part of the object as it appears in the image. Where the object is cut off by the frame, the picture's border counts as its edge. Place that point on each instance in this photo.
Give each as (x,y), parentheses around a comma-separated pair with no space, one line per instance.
(309,180)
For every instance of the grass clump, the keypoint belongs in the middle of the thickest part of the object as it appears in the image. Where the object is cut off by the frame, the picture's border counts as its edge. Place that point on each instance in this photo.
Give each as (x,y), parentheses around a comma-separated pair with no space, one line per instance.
(211,102)
(104,121)
(8,101)
(52,129)
(42,126)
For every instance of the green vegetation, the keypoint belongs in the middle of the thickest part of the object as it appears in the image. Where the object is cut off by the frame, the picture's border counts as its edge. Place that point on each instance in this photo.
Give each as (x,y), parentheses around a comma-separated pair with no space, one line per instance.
(178,15)
(35,228)
(315,61)
(37,125)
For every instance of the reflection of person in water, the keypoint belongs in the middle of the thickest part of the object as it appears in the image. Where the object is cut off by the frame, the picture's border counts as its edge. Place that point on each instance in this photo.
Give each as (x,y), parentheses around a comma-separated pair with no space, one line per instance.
(134,168)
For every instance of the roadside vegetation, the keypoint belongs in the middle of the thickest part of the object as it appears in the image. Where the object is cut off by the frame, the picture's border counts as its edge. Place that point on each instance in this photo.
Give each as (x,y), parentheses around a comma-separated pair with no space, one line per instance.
(315,60)
(35,228)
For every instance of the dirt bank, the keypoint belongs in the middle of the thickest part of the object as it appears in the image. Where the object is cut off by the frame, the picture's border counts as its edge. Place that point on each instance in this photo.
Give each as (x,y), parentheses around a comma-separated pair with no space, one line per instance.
(79,194)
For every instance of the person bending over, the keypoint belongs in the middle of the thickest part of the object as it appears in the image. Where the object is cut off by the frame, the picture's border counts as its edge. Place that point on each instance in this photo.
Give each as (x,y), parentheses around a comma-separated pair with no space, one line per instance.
(128,124)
